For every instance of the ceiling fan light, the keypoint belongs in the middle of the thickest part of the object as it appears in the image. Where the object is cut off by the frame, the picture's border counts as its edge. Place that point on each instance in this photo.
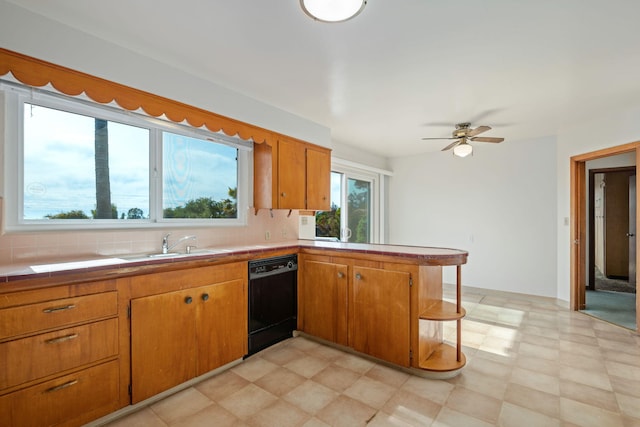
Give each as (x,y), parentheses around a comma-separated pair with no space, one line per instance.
(332,10)
(462,150)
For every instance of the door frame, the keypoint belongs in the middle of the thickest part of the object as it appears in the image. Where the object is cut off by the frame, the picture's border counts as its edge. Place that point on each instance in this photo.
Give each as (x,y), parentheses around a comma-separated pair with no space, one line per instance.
(578,221)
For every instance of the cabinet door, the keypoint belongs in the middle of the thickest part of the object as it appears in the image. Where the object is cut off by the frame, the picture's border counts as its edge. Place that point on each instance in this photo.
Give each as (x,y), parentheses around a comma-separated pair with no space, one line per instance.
(380,319)
(323,300)
(163,342)
(318,180)
(291,175)
(222,324)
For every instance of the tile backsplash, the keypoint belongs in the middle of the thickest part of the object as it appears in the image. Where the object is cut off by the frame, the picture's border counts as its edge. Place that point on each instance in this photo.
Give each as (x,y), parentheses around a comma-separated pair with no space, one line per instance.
(25,247)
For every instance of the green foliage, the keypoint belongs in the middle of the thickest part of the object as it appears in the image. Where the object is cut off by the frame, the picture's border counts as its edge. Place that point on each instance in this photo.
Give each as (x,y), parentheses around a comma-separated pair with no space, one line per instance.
(135,213)
(328,222)
(206,207)
(74,214)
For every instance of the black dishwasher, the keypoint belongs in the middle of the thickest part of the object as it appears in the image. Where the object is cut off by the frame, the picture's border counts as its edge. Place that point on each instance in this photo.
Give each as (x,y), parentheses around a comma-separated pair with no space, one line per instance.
(273,301)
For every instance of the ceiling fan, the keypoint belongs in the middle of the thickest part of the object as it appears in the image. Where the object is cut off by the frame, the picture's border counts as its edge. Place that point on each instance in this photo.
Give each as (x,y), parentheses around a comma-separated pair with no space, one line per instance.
(462,135)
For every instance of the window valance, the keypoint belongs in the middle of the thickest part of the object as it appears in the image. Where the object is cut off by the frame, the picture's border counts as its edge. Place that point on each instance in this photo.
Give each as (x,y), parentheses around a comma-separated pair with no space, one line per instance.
(38,73)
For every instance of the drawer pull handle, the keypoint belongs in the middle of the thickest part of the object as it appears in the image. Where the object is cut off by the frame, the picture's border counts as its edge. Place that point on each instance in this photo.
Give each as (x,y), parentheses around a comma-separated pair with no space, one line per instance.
(61,339)
(56,309)
(61,386)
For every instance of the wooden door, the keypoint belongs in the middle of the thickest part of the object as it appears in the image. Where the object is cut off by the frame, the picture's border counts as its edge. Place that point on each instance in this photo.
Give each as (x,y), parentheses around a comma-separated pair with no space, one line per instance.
(221,324)
(616,224)
(381,314)
(318,180)
(163,342)
(291,175)
(323,300)
(632,230)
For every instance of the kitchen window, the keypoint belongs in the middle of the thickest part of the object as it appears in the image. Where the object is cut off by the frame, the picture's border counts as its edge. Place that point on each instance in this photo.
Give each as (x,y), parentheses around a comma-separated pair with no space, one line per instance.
(77,164)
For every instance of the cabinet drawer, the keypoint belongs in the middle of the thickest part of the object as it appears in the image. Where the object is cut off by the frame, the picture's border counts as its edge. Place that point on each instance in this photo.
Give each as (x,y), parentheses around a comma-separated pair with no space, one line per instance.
(31,318)
(70,400)
(46,354)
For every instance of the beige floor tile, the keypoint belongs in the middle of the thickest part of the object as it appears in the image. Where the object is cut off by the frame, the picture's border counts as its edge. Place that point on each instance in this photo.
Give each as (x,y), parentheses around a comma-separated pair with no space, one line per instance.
(538,351)
(536,380)
(474,404)
(434,390)
(370,392)
(254,368)
(543,366)
(280,381)
(221,385)
(354,363)
(587,416)
(346,412)
(181,405)
(303,344)
(385,420)
(307,366)
(280,414)
(311,396)
(282,355)
(328,353)
(451,418)
(534,400)
(579,338)
(336,377)
(517,416)
(623,370)
(482,383)
(145,417)
(629,405)
(247,401)
(498,346)
(411,408)
(626,358)
(590,377)
(630,421)
(590,395)
(390,376)
(314,422)
(625,386)
(490,368)
(211,414)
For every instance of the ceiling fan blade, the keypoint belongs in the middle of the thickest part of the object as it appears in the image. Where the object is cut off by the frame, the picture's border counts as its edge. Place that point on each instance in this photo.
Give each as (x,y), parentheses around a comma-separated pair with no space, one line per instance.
(453,144)
(487,139)
(478,130)
(436,138)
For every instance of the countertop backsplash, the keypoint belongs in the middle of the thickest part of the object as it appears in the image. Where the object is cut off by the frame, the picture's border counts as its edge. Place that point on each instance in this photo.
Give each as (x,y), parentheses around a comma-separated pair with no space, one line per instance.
(24,247)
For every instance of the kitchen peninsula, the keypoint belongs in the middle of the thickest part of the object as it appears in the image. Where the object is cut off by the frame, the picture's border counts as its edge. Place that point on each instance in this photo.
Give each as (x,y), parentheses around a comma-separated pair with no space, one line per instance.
(84,335)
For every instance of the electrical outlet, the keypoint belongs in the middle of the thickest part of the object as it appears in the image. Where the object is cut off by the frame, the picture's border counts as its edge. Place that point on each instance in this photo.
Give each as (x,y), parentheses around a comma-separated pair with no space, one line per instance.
(267,235)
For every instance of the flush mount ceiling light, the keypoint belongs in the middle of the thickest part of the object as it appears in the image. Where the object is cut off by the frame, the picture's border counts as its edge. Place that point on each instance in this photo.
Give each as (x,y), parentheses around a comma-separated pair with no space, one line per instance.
(332,10)
(463,149)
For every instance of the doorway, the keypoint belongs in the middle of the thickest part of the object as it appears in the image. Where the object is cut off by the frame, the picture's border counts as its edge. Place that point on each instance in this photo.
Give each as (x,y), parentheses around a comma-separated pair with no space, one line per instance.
(584,208)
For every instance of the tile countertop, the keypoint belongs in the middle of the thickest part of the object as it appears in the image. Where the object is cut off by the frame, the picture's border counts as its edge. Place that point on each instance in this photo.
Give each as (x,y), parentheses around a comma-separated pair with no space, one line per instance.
(15,272)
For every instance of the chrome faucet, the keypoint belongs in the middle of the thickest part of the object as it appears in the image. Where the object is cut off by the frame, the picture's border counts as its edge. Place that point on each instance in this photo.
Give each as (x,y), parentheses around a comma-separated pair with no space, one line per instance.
(166,247)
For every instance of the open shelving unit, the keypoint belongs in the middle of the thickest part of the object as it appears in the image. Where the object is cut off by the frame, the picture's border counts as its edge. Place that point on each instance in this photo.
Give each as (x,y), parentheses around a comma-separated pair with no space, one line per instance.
(434,354)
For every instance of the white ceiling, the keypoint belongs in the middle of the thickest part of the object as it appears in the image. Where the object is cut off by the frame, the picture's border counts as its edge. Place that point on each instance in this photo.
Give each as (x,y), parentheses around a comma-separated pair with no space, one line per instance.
(402,69)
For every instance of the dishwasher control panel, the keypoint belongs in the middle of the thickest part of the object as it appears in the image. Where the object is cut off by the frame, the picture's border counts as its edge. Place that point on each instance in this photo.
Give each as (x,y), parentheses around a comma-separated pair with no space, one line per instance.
(271,266)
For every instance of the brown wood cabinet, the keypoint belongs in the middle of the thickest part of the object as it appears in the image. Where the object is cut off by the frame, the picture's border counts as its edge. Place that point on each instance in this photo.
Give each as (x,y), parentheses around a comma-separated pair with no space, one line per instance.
(179,335)
(363,305)
(59,357)
(323,302)
(292,174)
(380,317)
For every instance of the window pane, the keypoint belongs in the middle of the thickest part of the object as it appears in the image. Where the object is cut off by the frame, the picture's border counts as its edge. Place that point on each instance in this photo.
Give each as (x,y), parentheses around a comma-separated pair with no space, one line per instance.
(200,178)
(328,223)
(358,210)
(79,167)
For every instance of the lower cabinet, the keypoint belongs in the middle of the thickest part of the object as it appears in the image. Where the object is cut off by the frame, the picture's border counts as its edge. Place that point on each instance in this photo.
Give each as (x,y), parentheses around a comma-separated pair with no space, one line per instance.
(177,336)
(360,304)
(322,300)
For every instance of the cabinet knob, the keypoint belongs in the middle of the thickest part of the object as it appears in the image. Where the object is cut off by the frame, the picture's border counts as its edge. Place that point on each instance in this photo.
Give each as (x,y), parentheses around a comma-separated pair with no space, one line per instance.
(284,194)
(205,297)
(188,300)
(358,276)
(340,274)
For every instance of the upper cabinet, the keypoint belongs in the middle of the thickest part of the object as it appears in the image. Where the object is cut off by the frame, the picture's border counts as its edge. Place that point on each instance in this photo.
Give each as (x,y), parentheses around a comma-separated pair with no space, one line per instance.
(291,174)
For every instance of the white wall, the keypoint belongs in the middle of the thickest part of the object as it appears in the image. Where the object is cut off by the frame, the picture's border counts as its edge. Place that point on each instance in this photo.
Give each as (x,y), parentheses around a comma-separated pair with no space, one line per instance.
(34,35)
(500,205)
(609,129)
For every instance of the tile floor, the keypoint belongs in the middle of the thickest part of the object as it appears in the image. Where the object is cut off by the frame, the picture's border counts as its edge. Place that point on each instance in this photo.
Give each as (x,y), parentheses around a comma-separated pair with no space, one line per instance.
(530,362)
